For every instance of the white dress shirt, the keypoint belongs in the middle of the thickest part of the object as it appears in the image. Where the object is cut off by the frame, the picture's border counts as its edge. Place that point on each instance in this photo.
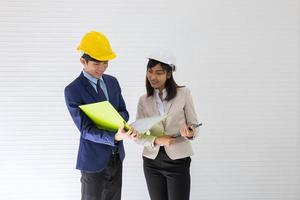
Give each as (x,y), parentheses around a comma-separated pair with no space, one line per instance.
(161,104)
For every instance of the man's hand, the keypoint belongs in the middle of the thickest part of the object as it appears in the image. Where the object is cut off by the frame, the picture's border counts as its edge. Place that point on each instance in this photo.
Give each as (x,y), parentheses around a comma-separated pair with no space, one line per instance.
(122,134)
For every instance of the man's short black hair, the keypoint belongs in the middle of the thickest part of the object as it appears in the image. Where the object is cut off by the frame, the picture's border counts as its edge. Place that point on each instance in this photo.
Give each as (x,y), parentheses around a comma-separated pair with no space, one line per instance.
(89,58)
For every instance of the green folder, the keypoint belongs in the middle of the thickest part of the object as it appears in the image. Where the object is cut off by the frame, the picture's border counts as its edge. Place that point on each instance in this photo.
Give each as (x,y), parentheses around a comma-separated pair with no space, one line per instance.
(104,115)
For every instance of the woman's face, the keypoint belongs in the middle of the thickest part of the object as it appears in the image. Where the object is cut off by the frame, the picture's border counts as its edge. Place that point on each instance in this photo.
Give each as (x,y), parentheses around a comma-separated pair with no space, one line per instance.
(157,77)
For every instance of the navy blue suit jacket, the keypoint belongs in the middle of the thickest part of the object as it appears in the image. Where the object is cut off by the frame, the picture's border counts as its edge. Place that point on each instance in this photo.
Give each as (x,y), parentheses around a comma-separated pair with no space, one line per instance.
(95,145)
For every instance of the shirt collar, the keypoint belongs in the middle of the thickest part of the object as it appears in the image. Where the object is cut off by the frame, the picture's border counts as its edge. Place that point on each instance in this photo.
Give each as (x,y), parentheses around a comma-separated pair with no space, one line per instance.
(164,93)
(91,78)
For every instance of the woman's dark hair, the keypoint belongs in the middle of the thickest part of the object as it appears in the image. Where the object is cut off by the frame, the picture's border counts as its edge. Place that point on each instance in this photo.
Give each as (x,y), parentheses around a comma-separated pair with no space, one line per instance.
(171,85)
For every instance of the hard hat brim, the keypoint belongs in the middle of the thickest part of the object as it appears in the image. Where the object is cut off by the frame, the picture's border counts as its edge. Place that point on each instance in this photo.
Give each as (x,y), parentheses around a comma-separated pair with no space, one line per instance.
(111,56)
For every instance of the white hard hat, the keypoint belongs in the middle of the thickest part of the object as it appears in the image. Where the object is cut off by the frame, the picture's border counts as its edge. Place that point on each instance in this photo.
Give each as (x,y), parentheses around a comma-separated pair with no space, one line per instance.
(163,56)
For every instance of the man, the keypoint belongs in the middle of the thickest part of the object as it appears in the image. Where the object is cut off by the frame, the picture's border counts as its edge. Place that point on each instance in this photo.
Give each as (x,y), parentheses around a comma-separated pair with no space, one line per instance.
(100,152)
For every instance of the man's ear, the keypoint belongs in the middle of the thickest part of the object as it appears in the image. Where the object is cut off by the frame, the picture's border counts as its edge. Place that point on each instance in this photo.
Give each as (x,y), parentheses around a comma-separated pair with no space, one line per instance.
(83,61)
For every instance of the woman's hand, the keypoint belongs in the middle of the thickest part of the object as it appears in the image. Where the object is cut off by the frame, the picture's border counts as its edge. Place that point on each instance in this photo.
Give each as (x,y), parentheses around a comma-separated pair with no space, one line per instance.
(187,132)
(164,140)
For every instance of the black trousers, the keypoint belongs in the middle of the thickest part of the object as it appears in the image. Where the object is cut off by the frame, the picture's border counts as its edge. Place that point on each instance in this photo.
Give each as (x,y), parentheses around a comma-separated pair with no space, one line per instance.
(167,179)
(105,185)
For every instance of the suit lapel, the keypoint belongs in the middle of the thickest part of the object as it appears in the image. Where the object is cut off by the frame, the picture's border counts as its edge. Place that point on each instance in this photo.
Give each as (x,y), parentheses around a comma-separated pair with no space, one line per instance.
(152,104)
(108,87)
(155,112)
(153,108)
(89,88)
(169,106)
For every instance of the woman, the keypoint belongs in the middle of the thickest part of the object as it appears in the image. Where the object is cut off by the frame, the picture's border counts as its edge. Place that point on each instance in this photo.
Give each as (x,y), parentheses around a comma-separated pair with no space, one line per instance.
(167,149)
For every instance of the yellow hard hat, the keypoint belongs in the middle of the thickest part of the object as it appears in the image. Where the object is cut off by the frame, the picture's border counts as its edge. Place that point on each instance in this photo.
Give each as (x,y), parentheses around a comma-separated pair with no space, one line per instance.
(97,46)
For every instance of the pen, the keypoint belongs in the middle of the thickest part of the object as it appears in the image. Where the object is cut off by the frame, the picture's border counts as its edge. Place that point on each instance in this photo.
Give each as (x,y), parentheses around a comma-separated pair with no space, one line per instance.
(194,126)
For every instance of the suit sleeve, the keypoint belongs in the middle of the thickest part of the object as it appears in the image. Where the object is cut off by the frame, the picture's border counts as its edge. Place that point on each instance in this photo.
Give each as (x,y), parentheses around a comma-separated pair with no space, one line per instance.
(143,139)
(86,127)
(189,110)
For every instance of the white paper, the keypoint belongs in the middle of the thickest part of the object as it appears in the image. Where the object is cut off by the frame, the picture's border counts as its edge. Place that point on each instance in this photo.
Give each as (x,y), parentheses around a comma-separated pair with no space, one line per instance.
(144,124)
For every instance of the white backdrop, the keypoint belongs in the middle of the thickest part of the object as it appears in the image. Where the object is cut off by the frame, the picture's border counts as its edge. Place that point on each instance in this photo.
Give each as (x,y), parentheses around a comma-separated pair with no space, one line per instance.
(239,58)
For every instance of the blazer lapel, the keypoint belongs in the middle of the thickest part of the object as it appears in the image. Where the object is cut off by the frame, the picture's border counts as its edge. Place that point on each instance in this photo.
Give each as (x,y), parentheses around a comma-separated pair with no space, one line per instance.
(153,108)
(152,104)
(169,105)
(109,88)
(89,88)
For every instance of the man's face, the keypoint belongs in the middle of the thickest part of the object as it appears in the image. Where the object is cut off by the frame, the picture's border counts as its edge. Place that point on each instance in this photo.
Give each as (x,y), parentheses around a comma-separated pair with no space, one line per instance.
(95,69)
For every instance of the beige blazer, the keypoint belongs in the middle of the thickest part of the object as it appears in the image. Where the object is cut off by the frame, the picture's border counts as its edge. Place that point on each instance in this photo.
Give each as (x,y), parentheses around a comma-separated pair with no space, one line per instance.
(180,111)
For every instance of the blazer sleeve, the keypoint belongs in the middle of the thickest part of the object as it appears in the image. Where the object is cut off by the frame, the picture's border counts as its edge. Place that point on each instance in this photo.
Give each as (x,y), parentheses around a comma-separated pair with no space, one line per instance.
(189,110)
(86,127)
(143,139)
